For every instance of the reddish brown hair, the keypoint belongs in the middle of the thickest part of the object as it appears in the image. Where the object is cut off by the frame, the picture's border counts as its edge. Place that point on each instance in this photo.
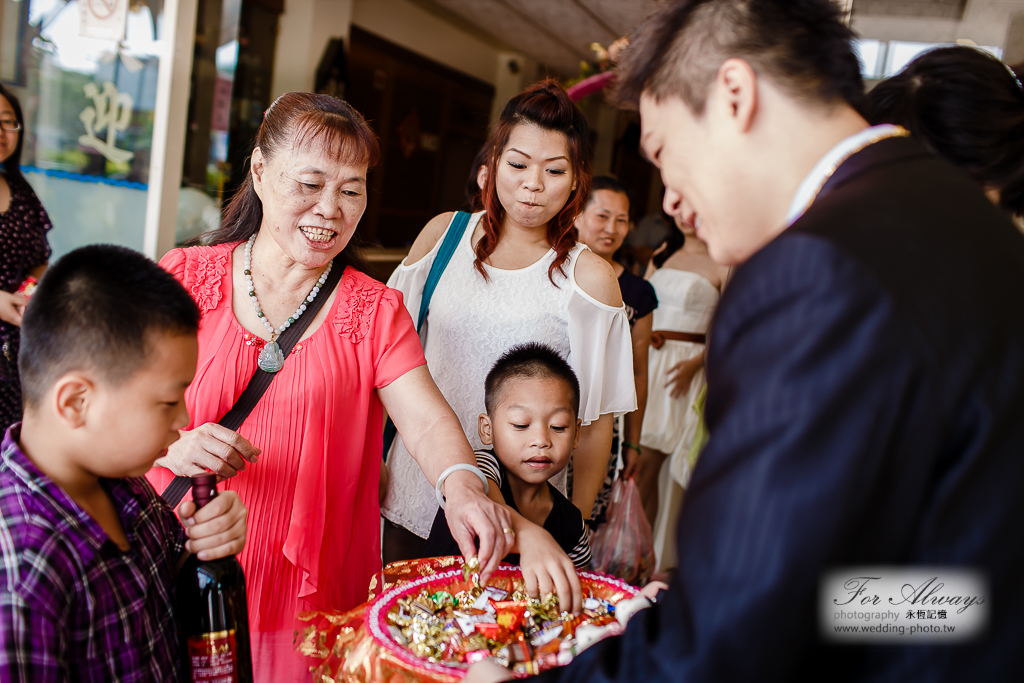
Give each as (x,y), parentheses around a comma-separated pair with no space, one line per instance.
(543,104)
(299,120)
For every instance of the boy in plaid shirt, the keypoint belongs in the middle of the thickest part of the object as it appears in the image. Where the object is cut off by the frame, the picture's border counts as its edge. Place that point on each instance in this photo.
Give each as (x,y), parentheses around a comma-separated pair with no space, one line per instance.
(90,551)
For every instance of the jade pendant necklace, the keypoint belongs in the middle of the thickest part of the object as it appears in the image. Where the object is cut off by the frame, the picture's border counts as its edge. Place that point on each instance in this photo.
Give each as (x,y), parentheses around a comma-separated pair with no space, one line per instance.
(271,357)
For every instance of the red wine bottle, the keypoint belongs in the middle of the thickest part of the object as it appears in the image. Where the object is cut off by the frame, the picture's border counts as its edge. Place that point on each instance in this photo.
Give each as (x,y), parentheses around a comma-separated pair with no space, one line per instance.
(212,610)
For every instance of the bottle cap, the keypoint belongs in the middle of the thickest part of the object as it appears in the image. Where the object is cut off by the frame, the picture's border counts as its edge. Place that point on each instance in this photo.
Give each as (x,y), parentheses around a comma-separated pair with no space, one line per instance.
(204,489)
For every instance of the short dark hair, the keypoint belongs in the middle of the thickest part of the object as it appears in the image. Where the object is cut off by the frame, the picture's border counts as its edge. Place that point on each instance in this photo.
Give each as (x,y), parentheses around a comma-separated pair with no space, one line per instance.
(532,360)
(93,309)
(966,106)
(607,182)
(12,164)
(802,46)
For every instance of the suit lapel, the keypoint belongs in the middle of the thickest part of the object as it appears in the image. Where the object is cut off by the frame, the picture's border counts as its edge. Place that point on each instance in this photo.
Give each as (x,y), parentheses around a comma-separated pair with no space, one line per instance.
(883,152)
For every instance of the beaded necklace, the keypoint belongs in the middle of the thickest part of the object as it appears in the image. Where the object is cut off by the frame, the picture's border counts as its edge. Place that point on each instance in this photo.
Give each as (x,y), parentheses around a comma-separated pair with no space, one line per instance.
(271,357)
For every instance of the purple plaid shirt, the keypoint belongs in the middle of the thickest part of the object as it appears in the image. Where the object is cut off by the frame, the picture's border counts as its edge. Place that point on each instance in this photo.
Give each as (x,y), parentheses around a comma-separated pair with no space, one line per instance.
(74,606)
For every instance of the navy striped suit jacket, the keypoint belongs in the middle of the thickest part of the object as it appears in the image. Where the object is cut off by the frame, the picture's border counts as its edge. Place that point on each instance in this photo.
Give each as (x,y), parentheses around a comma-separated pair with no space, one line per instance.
(866,407)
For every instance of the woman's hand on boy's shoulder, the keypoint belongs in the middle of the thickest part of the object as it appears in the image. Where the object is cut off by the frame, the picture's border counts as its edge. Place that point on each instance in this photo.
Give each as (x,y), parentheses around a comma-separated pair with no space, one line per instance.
(218,529)
(547,569)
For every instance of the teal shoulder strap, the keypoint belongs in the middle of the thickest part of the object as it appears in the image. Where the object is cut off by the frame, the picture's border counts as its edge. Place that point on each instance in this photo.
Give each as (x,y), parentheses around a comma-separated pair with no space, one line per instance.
(444,255)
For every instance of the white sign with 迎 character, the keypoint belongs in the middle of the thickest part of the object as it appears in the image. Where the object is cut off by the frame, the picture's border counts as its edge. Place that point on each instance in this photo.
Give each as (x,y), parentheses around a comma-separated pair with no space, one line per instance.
(111,111)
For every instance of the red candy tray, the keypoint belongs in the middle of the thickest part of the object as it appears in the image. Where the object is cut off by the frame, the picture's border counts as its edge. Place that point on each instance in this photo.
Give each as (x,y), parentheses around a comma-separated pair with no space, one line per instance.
(599,586)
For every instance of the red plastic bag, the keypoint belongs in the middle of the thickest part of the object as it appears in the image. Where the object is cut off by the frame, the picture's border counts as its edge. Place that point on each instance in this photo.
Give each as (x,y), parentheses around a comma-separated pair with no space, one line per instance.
(624,546)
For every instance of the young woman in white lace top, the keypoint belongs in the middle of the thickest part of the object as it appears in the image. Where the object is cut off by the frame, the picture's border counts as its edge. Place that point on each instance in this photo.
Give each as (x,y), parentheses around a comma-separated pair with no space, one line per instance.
(517,276)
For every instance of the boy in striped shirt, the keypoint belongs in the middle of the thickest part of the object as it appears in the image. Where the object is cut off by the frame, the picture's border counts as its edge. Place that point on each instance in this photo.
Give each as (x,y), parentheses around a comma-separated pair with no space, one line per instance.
(532,425)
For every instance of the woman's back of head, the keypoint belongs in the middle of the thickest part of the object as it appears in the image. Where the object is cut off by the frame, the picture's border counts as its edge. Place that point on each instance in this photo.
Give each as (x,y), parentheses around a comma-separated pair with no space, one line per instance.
(968,107)
(547,106)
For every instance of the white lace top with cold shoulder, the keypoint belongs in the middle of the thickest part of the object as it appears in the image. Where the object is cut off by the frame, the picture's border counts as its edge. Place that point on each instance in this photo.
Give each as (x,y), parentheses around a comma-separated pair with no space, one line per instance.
(472,322)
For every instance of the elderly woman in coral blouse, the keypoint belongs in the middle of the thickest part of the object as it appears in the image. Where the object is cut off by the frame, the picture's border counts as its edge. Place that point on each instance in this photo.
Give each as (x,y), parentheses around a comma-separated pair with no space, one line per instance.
(307,459)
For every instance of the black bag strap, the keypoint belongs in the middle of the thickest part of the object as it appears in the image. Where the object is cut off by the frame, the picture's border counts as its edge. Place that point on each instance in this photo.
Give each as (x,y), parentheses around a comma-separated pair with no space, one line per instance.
(260,380)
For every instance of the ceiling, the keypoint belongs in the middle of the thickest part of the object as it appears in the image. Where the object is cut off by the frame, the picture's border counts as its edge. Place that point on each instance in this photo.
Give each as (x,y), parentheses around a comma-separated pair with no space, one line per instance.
(557,33)
(946,9)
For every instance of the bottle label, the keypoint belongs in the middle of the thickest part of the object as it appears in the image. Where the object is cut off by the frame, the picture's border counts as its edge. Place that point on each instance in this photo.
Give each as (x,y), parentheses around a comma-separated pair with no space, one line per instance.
(212,656)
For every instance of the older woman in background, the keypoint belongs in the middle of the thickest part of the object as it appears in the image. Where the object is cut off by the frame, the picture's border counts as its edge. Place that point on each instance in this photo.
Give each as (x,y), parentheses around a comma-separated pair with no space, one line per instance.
(603,227)
(307,459)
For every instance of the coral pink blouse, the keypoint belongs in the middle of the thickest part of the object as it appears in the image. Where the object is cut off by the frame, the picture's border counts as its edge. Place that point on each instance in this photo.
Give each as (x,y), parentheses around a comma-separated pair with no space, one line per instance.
(314,520)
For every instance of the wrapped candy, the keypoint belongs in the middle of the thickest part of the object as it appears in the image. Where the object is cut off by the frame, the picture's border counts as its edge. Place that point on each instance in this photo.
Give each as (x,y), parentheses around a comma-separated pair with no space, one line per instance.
(493,632)
(548,640)
(546,608)
(519,650)
(443,599)
(471,569)
(509,613)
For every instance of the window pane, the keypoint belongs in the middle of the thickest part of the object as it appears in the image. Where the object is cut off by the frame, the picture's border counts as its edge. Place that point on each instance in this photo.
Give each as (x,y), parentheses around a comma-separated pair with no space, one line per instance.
(89,109)
(869,53)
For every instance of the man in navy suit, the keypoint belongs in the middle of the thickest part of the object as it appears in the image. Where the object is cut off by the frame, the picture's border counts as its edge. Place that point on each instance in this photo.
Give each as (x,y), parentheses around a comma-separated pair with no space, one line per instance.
(865,368)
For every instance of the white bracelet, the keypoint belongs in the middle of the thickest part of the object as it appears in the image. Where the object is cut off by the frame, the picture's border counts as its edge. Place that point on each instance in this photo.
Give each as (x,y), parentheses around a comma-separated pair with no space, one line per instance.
(455,468)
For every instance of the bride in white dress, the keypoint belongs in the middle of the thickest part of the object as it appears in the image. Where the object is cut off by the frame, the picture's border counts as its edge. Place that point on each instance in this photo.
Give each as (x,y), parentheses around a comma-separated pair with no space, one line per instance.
(688,284)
